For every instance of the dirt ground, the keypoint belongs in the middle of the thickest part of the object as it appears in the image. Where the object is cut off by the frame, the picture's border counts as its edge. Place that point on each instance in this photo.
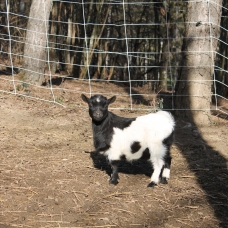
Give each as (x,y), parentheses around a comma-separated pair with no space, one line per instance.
(50,178)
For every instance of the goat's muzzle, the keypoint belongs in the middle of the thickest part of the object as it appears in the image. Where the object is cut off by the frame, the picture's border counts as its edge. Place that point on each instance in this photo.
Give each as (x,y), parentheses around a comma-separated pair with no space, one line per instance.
(97,115)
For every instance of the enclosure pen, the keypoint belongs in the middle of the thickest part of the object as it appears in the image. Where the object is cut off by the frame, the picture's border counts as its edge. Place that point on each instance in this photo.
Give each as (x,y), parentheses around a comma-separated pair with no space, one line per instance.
(132,44)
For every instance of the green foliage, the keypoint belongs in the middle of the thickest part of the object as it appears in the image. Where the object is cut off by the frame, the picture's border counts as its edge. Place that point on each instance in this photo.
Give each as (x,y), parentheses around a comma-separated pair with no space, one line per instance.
(157,105)
(22,87)
(59,100)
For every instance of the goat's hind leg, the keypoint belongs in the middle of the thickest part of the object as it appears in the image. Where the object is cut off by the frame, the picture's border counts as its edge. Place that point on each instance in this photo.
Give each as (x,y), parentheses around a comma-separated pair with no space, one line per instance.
(158,164)
(165,173)
(114,176)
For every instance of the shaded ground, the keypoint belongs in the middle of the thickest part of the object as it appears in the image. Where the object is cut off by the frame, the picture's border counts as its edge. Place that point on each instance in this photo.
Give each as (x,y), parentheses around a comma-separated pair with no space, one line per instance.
(48,178)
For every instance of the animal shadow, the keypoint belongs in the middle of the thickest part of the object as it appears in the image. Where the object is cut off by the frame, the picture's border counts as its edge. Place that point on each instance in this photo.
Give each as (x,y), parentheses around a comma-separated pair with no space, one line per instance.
(136,167)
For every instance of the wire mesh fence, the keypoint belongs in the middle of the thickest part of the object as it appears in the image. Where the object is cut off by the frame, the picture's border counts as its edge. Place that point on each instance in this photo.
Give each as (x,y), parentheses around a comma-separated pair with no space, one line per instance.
(136,46)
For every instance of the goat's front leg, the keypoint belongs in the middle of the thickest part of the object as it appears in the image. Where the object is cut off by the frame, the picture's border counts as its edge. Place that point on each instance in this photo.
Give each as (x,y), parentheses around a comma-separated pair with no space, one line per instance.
(114,176)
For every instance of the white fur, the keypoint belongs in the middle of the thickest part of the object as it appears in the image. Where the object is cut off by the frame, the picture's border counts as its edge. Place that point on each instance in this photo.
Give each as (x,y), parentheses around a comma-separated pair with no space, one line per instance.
(150,130)
(166,173)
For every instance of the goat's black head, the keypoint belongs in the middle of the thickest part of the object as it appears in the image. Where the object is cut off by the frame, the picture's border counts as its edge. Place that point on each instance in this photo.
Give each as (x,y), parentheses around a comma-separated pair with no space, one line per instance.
(98,106)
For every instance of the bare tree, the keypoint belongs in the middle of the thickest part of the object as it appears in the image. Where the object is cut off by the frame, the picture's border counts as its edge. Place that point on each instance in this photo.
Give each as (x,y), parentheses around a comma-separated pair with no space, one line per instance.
(36,41)
(193,89)
(53,37)
(92,42)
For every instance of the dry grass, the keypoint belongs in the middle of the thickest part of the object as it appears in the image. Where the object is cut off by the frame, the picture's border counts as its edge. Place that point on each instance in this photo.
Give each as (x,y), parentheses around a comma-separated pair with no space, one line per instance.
(49,179)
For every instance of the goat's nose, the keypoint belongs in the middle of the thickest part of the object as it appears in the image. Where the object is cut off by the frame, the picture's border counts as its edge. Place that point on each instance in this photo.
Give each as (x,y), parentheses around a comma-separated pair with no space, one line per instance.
(98,114)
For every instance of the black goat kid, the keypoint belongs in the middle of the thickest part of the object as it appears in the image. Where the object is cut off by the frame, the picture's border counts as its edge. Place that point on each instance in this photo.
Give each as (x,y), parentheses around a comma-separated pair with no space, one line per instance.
(149,136)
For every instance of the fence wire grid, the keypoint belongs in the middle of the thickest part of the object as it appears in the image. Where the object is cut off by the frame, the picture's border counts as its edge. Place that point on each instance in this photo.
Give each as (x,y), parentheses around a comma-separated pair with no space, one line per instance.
(135,45)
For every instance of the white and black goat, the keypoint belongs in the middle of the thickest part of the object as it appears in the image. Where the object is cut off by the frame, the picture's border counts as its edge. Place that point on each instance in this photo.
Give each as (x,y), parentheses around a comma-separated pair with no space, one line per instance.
(149,137)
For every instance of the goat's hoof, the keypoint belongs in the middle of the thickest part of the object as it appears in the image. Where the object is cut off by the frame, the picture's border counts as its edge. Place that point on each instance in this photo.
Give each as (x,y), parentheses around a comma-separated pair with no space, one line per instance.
(163,180)
(114,182)
(151,185)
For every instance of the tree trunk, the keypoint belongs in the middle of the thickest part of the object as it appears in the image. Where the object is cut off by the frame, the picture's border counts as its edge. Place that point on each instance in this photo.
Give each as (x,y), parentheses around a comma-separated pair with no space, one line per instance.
(78,43)
(94,39)
(164,66)
(167,43)
(193,89)
(52,38)
(69,15)
(36,41)
(106,72)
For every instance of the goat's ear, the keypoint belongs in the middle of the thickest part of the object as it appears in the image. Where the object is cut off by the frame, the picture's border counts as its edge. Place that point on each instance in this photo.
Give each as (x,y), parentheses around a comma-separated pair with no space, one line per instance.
(111,100)
(85,98)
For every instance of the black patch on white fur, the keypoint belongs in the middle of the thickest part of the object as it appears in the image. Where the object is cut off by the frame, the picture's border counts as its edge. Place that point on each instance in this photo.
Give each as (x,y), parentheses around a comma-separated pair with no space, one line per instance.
(135,147)
(146,154)
(123,157)
(167,160)
(114,162)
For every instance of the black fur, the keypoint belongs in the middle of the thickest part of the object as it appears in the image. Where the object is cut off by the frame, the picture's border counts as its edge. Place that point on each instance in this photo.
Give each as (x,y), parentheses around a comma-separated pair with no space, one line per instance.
(168,142)
(104,121)
(103,130)
(103,124)
(151,184)
(123,157)
(114,176)
(146,154)
(135,147)
(103,149)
